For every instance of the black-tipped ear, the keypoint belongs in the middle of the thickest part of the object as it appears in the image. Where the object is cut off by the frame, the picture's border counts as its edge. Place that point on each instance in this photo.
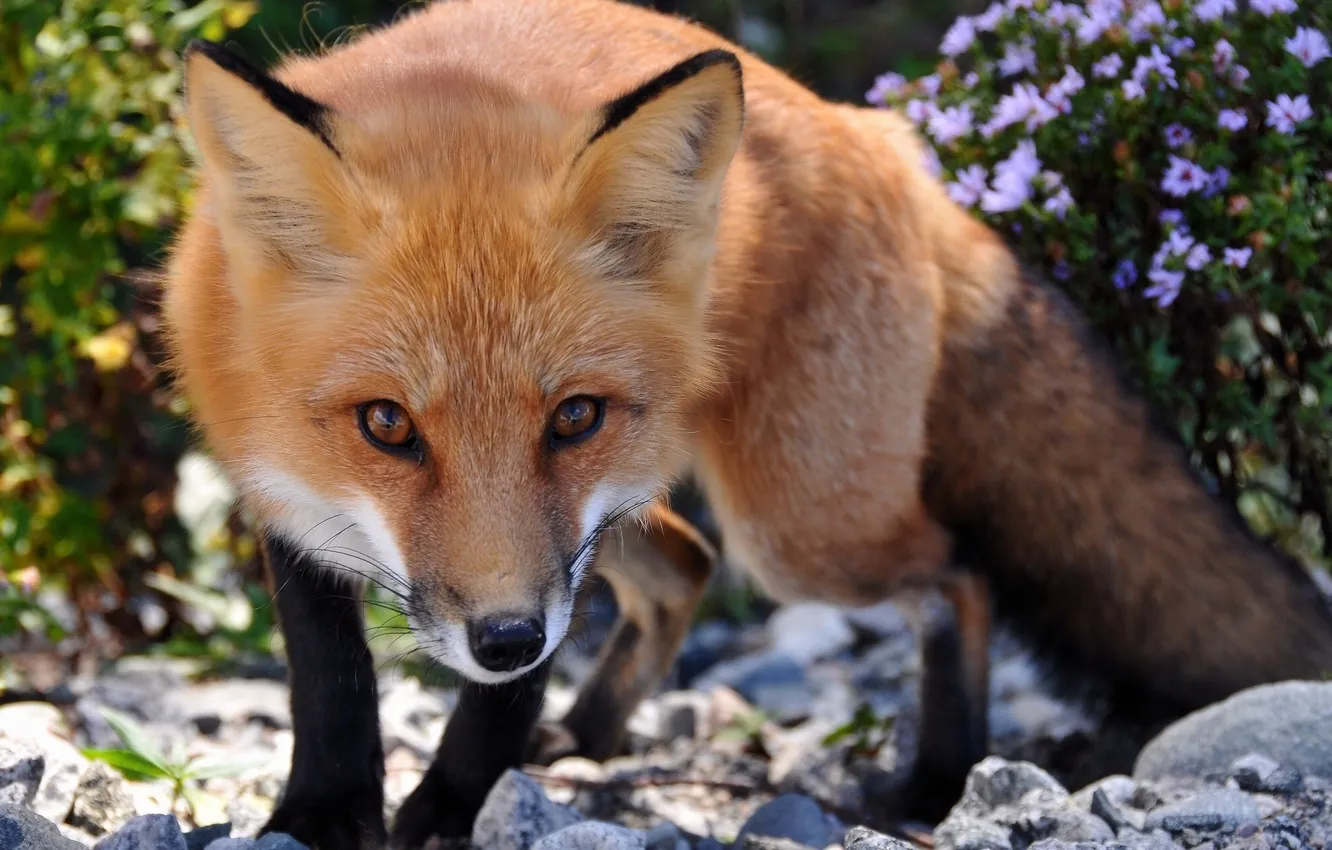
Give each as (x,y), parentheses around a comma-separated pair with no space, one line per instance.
(619,110)
(308,113)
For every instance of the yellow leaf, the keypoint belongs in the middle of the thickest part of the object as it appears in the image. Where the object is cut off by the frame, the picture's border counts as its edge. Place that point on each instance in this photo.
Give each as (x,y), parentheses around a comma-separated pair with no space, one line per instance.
(110,349)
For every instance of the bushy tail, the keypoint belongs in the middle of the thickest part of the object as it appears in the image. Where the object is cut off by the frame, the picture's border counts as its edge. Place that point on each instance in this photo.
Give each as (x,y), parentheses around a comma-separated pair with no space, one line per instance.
(1098,539)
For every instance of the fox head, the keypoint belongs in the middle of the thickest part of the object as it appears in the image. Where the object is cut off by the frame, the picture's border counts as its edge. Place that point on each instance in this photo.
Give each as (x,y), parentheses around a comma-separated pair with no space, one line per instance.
(445,337)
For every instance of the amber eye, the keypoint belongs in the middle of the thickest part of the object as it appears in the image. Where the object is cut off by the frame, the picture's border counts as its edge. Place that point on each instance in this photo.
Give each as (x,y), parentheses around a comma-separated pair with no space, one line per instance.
(387,426)
(575,419)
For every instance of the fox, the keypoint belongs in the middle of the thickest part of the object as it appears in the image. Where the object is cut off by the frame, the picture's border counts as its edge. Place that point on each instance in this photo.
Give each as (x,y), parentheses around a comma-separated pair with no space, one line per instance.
(460,300)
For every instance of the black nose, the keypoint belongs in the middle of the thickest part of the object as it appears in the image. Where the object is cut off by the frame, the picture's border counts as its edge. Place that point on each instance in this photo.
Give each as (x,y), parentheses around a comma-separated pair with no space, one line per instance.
(503,644)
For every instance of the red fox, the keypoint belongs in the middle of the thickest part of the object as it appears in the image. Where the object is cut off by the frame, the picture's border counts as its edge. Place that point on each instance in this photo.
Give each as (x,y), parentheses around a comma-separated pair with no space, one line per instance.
(465,293)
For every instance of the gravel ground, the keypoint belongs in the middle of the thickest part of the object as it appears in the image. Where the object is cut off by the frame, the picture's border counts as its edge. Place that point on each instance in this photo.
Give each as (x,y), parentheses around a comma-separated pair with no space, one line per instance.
(734,755)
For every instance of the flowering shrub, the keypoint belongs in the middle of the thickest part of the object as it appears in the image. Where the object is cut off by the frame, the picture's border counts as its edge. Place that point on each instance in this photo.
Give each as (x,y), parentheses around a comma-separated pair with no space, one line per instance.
(92,171)
(1169,165)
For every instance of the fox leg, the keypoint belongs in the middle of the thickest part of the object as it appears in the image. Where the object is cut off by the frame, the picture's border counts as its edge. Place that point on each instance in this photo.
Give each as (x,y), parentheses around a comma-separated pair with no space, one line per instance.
(658,572)
(487,734)
(334,799)
(954,697)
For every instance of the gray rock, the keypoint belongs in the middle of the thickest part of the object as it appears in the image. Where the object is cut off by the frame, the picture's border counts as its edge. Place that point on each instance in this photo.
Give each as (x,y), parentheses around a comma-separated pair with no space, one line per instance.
(147,832)
(102,802)
(961,831)
(232,844)
(792,816)
(21,769)
(1289,722)
(1211,810)
(517,813)
(995,782)
(592,835)
(278,841)
(808,631)
(21,829)
(199,839)
(864,838)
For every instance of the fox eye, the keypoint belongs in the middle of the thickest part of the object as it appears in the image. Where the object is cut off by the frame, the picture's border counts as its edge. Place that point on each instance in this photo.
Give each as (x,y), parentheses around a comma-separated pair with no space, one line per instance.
(387,426)
(575,419)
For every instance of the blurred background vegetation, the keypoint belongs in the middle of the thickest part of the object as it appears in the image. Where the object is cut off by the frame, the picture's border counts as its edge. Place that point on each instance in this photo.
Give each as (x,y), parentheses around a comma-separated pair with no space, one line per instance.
(114,535)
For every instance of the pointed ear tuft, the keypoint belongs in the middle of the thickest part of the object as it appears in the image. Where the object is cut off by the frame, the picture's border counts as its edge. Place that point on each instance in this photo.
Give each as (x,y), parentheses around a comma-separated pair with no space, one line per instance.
(647,186)
(282,195)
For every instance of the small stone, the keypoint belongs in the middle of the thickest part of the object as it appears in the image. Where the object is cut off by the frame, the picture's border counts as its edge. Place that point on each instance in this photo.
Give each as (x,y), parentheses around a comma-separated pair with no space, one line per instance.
(278,841)
(103,802)
(146,832)
(808,631)
(22,829)
(793,816)
(200,838)
(517,813)
(961,831)
(1205,812)
(21,769)
(592,835)
(864,838)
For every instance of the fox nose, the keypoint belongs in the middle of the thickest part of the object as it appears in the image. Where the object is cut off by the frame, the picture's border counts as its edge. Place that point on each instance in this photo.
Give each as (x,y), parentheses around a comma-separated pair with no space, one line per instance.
(504,644)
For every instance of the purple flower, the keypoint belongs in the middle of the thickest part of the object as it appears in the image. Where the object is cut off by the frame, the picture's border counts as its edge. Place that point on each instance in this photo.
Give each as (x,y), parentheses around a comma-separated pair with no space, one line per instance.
(1211,10)
(1018,58)
(1108,67)
(1268,8)
(1183,177)
(1231,119)
(1170,217)
(1165,286)
(1222,55)
(1148,17)
(885,86)
(959,38)
(1309,46)
(1177,134)
(1285,113)
(950,123)
(1199,255)
(1059,203)
(1237,257)
(969,186)
(1126,274)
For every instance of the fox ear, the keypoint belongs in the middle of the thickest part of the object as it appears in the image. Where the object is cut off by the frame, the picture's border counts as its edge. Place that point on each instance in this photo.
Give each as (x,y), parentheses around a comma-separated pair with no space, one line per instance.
(280,189)
(648,183)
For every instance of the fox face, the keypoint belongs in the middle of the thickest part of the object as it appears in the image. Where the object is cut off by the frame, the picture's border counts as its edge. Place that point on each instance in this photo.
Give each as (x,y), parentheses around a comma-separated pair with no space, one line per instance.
(446,337)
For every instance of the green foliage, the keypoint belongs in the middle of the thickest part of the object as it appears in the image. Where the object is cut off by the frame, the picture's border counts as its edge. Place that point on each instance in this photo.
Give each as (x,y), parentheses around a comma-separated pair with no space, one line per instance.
(92,176)
(141,760)
(1170,167)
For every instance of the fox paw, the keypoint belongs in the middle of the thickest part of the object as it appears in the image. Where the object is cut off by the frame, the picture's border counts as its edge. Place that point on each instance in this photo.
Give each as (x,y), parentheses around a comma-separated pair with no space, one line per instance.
(344,822)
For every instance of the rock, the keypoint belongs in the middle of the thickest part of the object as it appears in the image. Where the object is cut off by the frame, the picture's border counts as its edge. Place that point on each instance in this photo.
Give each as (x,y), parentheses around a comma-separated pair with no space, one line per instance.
(517,813)
(592,835)
(146,832)
(1289,722)
(793,816)
(200,838)
(278,841)
(771,680)
(961,831)
(808,631)
(864,838)
(995,782)
(21,769)
(22,829)
(102,802)
(1208,811)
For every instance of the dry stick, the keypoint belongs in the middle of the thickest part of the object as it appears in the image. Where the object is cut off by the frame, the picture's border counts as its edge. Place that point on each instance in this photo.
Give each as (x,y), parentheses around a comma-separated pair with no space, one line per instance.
(658,781)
